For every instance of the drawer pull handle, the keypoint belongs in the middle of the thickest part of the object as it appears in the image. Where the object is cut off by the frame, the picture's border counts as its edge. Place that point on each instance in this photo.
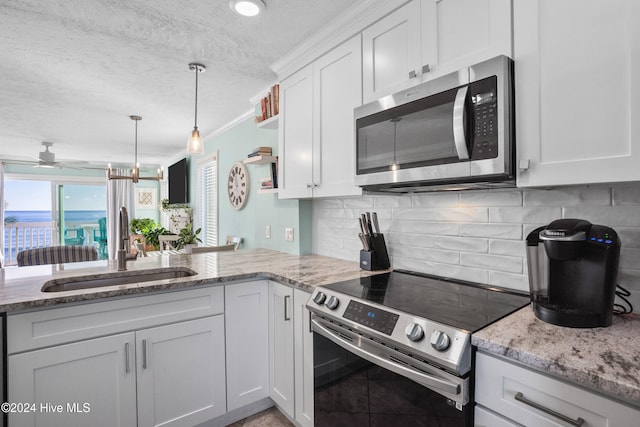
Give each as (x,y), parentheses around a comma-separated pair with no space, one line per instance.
(578,422)
(126,358)
(144,354)
(286,308)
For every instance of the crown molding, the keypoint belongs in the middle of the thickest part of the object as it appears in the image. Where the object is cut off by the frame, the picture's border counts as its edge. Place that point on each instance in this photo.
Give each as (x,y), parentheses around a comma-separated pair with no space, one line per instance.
(354,19)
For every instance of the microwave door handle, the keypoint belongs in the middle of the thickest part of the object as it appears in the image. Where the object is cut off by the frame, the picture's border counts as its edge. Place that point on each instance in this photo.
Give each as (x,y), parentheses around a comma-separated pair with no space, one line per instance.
(458,123)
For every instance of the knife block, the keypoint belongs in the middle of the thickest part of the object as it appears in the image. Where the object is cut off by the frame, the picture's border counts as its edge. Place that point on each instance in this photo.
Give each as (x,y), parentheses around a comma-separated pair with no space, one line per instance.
(377,258)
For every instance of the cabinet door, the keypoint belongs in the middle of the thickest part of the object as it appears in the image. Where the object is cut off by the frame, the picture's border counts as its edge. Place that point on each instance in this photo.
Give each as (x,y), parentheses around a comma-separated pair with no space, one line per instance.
(181,373)
(391,52)
(296,136)
(281,346)
(93,381)
(337,91)
(461,33)
(247,331)
(578,91)
(303,354)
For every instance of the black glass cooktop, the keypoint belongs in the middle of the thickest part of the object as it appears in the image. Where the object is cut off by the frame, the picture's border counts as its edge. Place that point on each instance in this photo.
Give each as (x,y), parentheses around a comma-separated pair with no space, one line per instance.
(459,304)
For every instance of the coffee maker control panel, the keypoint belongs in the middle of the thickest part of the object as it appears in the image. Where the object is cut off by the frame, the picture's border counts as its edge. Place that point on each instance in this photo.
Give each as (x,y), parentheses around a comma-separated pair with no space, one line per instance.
(602,235)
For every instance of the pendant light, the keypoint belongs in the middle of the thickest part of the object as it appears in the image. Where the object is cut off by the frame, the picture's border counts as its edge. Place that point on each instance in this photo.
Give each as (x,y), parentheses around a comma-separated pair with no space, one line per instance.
(135,172)
(194,143)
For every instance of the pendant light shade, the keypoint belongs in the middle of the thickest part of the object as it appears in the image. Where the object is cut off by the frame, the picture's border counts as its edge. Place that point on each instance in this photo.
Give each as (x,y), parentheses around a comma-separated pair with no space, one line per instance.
(194,143)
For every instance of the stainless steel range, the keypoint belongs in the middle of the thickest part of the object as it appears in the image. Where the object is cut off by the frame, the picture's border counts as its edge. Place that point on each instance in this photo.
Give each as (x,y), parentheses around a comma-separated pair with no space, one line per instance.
(396,347)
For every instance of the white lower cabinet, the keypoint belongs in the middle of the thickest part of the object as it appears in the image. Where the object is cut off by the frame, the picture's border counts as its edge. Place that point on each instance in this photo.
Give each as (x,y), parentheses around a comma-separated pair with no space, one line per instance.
(162,363)
(247,330)
(291,353)
(99,372)
(180,370)
(509,394)
(303,359)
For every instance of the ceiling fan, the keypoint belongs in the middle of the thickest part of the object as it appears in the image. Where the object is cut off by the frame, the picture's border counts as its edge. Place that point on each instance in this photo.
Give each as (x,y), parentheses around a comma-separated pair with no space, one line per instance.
(47,159)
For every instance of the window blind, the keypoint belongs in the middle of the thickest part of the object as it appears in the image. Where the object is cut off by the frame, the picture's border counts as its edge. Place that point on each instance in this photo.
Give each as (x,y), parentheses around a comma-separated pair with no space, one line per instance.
(207,207)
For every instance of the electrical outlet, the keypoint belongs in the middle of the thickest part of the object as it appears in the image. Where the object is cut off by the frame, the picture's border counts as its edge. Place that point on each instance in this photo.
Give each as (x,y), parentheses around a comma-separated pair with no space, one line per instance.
(288,234)
(267,232)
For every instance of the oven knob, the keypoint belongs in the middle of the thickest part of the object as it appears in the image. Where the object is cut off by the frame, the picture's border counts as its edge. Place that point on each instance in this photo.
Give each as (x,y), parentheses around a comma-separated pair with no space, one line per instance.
(414,332)
(440,341)
(319,298)
(332,303)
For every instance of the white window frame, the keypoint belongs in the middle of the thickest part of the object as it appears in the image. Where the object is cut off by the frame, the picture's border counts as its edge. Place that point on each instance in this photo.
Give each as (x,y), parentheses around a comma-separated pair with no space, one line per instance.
(207,200)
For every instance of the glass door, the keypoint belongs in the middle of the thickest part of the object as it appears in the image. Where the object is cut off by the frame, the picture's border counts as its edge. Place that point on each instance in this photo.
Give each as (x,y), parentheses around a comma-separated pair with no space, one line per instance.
(81,214)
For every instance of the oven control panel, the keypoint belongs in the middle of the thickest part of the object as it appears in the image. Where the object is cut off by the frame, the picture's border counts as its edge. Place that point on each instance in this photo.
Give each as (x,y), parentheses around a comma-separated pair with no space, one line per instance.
(372,317)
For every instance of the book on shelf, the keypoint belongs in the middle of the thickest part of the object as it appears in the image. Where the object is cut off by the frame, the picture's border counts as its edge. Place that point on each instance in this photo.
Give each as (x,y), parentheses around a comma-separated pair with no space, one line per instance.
(266,183)
(261,151)
(269,105)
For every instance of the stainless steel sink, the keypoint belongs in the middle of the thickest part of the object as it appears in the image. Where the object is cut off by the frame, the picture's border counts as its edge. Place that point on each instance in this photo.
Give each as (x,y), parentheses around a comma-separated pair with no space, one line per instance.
(114,279)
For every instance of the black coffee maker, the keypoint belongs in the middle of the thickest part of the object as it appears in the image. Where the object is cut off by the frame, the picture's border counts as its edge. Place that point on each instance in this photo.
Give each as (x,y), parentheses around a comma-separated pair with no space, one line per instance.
(573,269)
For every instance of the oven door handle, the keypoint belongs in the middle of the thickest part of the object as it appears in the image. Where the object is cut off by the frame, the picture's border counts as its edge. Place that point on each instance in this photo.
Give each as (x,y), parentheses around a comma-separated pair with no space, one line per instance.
(419,377)
(458,123)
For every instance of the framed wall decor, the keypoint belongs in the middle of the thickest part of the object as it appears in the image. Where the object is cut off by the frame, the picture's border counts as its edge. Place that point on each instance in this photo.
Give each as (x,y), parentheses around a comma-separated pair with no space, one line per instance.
(146,198)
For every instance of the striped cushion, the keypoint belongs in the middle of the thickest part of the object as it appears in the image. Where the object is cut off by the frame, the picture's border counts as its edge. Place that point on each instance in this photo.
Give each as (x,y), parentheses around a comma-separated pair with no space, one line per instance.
(57,255)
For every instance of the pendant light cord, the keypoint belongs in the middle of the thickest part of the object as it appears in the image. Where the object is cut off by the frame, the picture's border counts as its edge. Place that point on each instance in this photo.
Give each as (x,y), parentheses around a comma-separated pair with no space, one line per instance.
(195,124)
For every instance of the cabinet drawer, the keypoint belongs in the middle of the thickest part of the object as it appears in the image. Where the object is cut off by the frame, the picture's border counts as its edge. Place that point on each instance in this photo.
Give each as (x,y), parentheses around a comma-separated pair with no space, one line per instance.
(485,418)
(37,329)
(520,394)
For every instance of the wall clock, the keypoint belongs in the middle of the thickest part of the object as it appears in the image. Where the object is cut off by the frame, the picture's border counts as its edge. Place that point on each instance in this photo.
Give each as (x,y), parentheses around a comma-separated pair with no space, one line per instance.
(238,185)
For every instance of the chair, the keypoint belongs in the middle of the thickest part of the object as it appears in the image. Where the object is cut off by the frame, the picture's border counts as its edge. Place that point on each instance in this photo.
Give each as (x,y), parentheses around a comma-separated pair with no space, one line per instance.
(56,255)
(74,236)
(168,241)
(100,237)
(232,244)
(235,240)
(140,248)
(203,249)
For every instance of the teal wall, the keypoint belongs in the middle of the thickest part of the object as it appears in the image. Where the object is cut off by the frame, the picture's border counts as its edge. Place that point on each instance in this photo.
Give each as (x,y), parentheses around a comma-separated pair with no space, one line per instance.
(260,210)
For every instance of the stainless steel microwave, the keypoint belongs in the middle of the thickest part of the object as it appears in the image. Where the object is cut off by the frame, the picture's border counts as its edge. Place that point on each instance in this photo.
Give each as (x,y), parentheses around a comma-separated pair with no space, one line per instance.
(453,132)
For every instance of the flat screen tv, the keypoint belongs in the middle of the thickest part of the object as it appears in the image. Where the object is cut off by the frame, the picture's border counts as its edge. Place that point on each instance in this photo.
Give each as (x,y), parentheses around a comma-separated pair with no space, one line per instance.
(179,182)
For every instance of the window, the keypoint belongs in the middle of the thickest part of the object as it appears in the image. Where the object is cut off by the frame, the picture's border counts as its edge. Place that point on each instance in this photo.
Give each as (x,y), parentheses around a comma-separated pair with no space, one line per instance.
(207,199)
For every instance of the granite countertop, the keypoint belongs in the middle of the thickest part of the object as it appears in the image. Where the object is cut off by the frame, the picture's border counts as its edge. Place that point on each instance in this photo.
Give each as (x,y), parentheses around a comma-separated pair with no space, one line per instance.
(606,360)
(20,287)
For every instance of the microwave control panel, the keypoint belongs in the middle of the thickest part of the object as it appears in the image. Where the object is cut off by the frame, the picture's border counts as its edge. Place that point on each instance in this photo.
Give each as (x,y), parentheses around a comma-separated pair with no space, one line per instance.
(484,105)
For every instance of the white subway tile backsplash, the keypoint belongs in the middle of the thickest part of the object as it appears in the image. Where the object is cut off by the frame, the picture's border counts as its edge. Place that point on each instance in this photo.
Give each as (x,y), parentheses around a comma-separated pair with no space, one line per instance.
(612,216)
(498,231)
(365,203)
(440,200)
(628,194)
(572,196)
(491,198)
(478,235)
(425,227)
(524,215)
(509,280)
(510,264)
(508,247)
(420,240)
(467,244)
(442,214)
(391,202)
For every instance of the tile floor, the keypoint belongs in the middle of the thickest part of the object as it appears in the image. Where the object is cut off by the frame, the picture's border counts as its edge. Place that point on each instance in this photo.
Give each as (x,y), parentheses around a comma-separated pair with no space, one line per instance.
(268,418)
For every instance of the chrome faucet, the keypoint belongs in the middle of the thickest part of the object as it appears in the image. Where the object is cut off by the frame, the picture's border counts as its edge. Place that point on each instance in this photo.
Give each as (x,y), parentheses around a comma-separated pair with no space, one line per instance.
(123,235)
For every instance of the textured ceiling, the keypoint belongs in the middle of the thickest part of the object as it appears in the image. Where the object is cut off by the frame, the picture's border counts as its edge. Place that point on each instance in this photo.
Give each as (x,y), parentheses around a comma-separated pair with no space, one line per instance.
(72,71)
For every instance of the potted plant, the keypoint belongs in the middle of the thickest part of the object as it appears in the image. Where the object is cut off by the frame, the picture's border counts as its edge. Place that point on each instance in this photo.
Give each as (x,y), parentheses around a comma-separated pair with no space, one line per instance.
(147,230)
(187,238)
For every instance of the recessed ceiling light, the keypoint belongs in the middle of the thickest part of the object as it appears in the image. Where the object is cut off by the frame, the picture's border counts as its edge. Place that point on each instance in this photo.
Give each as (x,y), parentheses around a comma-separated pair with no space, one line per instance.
(247,7)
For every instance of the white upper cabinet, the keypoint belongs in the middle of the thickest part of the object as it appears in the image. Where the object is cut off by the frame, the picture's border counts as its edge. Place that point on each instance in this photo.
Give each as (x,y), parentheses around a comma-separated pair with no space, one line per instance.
(296,135)
(391,53)
(577,91)
(317,136)
(425,39)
